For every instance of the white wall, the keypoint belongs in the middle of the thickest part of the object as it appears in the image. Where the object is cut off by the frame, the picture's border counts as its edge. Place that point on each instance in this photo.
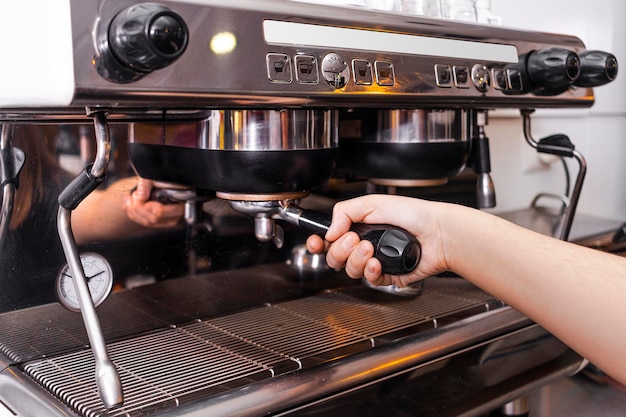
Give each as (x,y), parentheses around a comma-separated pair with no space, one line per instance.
(599,133)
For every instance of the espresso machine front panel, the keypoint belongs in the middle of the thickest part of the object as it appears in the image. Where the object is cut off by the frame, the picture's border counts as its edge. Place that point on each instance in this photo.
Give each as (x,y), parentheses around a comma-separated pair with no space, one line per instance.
(255,116)
(269,53)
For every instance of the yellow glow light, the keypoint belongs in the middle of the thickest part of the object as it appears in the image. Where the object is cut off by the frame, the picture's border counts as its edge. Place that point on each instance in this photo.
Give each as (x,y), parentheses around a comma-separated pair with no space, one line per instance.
(223,43)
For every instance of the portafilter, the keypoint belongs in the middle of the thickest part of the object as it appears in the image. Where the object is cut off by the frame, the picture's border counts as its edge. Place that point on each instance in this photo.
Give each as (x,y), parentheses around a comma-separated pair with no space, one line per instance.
(246,154)
(404,147)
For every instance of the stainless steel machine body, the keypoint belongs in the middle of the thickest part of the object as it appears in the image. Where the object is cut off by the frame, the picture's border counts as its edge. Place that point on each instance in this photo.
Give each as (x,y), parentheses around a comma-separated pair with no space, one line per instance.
(274,98)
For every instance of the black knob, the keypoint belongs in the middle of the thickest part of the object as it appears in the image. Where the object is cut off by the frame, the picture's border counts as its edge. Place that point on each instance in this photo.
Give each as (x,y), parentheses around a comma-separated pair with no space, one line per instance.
(147,36)
(552,70)
(596,68)
(138,40)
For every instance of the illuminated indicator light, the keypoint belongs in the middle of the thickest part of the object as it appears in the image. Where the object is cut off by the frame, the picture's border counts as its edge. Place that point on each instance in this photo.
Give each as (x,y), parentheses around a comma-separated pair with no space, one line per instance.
(223,43)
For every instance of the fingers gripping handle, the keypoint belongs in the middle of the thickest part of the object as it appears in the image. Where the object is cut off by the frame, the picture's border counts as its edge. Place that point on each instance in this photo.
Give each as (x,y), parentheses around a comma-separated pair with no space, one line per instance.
(397,250)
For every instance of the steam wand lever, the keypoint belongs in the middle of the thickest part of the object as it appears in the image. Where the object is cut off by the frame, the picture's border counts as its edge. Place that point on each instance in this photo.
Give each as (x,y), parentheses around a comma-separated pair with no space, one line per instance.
(11,163)
(107,378)
(559,145)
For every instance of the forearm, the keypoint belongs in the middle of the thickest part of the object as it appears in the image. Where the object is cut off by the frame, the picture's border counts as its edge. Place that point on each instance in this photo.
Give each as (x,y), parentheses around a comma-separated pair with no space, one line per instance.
(576,293)
(115,212)
(101,216)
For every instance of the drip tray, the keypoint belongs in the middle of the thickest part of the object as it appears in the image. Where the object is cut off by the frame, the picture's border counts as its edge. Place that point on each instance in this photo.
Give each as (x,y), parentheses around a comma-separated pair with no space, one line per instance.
(184,363)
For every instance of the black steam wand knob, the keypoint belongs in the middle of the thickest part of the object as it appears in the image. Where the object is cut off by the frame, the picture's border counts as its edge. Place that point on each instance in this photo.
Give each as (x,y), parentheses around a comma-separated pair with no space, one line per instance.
(138,40)
(553,69)
(397,250)
(596,68)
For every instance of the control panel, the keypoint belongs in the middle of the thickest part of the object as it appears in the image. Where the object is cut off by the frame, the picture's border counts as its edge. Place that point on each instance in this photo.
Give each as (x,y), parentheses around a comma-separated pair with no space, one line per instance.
(273,53)
(544,72)
(334,69)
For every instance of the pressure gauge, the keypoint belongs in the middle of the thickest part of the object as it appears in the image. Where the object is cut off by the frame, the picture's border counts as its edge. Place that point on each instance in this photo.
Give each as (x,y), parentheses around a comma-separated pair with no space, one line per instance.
(99,277)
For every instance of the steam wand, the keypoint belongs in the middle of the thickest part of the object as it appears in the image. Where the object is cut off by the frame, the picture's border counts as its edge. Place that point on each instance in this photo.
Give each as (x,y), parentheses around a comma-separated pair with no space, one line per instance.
(11,163)
(107,377)
(485,190)
(397,250)
(559,145)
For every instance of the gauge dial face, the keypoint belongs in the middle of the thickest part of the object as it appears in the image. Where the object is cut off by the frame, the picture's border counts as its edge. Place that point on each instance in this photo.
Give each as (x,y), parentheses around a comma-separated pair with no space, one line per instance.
(99,280)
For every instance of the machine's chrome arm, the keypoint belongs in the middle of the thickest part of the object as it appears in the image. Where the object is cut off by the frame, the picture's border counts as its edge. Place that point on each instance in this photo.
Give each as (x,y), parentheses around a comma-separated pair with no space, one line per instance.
(578,185)
(103,145)
(107,377)
(8,196)
(560,145)
(527,131)
(485,189)
(8,189)
(11,163)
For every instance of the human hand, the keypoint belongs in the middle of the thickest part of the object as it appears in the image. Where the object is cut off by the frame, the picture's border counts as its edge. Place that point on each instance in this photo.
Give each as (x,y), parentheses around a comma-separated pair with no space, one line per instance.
(140,209)
(345,249)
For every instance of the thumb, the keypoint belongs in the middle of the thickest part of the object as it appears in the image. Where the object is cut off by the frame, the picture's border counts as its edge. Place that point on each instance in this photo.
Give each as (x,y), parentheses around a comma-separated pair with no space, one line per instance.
(144,187)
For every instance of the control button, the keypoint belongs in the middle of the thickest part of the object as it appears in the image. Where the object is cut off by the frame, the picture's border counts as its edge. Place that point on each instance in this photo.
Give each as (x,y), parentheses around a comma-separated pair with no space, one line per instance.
(443,75)
(362,70)
(515,80)
(384,73)
(481,78)
(306,69)
(335,70)
(278,68)
(461,76)
(499,79)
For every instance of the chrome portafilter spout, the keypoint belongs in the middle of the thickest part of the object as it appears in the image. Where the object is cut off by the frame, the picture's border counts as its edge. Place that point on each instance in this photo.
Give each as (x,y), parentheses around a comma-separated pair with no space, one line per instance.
(397,250)
(194,215)
(264,214)
(481,161)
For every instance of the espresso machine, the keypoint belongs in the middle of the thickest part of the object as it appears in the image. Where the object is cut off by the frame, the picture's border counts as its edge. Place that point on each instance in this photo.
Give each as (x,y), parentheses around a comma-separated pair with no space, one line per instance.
(278,102)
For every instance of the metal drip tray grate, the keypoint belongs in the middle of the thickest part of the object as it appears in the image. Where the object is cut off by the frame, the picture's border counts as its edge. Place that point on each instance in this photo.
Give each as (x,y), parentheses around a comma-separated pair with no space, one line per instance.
(183,363)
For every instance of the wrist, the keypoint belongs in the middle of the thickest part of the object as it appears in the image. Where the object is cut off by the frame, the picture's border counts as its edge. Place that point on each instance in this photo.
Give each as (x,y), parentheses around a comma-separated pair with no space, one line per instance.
(457,233)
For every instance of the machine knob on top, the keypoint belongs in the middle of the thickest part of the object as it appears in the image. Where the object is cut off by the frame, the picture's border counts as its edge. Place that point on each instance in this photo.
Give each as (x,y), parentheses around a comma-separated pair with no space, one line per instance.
(138,40)
(596,68)
(552,70)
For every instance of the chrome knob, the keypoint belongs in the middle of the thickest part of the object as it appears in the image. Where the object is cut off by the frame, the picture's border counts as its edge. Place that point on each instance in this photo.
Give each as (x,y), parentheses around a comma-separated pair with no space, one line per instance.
(481,78)
(335,70)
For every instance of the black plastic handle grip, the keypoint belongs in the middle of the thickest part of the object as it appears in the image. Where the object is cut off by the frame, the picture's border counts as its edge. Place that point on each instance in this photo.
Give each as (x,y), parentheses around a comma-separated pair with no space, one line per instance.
(398,251)
(79,189)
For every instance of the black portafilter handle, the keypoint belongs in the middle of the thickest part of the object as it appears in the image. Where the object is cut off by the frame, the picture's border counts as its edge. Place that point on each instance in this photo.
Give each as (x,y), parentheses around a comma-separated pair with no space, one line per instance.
(398,251)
